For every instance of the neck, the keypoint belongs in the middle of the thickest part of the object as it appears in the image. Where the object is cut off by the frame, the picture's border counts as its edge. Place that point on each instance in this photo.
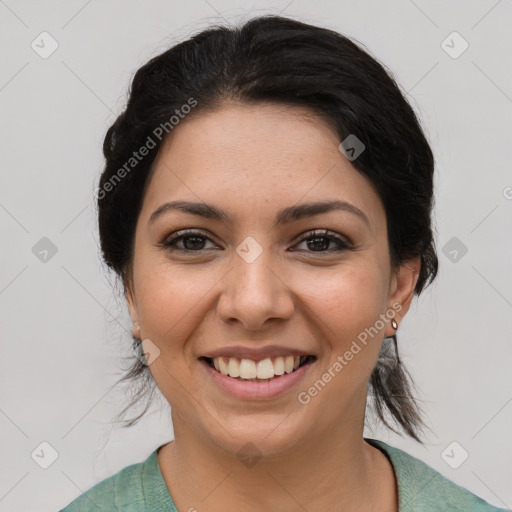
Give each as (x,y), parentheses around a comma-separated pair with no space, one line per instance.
(345,473)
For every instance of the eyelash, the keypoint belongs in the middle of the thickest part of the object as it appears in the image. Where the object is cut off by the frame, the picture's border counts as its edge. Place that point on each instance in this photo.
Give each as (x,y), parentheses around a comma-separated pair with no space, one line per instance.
(170,243)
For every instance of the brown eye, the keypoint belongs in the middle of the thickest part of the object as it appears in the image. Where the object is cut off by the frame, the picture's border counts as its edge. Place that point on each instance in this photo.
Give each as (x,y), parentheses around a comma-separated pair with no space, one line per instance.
(320,240)
(191,240)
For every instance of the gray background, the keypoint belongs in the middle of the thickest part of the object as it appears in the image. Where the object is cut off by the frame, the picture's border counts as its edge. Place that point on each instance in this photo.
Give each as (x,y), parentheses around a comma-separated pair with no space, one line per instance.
(63,326)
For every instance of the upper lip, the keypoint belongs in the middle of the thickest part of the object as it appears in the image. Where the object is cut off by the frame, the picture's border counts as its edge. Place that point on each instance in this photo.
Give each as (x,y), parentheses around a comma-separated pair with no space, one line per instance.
(256,354)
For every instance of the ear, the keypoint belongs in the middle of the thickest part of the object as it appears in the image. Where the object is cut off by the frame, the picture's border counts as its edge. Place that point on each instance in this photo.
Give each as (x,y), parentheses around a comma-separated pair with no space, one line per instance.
(403,282)
(132,309)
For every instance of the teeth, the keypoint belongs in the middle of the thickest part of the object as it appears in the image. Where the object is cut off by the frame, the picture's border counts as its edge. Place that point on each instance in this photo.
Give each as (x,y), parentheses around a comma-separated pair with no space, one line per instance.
(264,369)
(247,368)
(223,366)
(288,364)
(278,366)
(234,369)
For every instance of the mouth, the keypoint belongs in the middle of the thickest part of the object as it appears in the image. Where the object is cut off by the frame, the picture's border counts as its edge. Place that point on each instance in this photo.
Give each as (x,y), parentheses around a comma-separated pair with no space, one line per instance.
(264,370)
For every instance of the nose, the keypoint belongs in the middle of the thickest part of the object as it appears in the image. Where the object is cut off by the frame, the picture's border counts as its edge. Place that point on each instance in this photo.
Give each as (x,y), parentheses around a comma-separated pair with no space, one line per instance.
(254,294)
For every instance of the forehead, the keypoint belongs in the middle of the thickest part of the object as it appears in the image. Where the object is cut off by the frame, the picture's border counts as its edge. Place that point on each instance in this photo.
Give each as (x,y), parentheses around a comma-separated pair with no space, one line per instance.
(267,154)
(265,132)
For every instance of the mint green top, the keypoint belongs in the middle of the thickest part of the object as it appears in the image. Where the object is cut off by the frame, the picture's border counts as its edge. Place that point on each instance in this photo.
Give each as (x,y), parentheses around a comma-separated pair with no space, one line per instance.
(141,488)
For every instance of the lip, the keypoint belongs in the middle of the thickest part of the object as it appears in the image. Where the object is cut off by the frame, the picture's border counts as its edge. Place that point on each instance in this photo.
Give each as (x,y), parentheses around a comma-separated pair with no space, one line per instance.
(248,390)
(256,354)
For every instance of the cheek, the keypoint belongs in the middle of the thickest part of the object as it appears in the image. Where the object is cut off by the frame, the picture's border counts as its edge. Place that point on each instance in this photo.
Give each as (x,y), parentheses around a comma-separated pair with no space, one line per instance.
(171,301)
(171,304)
(346,303)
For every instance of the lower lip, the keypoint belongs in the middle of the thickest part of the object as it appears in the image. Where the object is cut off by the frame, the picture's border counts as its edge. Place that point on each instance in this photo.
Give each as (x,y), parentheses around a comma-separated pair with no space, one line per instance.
(249,390)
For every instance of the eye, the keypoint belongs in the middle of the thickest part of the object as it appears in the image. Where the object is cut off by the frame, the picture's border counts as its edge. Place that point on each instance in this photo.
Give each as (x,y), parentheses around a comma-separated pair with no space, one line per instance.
(319,240)
(193,240)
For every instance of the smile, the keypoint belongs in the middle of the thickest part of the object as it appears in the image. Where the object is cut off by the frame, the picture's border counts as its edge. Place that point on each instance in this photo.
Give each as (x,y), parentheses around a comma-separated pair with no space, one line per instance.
(263,370)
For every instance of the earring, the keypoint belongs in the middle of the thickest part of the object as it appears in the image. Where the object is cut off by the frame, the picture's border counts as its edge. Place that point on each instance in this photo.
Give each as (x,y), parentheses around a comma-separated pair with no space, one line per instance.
(137,326)
(394,324)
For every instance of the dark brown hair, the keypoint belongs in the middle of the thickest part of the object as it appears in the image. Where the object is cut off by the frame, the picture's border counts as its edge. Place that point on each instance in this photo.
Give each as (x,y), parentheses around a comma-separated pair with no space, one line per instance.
(276,59)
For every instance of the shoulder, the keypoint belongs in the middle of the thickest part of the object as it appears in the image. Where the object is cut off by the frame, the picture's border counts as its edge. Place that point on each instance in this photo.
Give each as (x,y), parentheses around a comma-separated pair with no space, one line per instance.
(123,491)
(423,489)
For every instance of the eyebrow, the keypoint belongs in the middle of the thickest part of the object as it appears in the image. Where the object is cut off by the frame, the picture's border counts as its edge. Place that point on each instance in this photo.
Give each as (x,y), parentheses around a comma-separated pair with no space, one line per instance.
(284,216)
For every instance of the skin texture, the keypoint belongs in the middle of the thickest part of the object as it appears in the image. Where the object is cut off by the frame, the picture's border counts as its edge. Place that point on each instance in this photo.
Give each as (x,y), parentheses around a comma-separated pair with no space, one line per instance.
(252,161)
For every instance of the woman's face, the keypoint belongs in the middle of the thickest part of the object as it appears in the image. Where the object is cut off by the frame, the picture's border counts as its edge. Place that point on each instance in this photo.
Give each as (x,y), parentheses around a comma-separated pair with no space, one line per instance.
(257,282)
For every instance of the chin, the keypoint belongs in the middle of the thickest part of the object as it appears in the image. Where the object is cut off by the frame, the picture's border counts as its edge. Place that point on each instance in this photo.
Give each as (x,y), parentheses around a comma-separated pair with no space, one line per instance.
(256,438)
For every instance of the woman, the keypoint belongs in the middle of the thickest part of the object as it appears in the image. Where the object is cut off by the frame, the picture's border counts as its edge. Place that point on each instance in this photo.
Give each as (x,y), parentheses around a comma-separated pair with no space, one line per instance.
(267,203)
